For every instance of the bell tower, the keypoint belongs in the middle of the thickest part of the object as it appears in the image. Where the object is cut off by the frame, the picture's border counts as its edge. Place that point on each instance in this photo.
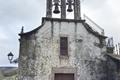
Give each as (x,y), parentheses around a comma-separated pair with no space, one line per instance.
(63,6)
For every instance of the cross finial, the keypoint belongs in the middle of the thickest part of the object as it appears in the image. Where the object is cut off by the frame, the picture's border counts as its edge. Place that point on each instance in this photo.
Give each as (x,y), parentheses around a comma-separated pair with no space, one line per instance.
(22,30)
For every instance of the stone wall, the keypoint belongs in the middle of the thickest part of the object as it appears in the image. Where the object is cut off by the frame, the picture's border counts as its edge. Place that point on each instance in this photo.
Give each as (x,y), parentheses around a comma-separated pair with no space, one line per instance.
(3,76)
(40,52)
(113,68)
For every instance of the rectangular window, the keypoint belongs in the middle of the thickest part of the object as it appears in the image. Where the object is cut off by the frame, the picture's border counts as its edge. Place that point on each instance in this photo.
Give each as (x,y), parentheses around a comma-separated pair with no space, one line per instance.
(64,46)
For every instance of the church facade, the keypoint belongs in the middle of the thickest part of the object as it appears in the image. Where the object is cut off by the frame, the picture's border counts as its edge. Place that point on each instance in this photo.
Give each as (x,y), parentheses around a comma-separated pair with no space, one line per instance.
(65,49)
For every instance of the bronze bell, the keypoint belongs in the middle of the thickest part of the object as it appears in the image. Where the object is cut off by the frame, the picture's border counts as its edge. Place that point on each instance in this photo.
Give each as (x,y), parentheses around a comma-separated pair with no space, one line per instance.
(69,8)
(56,11)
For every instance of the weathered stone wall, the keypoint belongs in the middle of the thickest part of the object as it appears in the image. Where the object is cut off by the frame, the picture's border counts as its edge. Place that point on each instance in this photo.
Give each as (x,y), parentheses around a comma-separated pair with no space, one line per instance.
(113,68)
(30,51)
(27,57)
(39,52)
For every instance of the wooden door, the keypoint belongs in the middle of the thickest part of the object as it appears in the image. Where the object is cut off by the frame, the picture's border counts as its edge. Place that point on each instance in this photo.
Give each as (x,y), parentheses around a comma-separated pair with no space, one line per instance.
(61,76)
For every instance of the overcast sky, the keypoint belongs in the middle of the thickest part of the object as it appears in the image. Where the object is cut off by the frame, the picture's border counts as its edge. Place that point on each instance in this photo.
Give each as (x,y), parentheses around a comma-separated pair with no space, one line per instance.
(28,13)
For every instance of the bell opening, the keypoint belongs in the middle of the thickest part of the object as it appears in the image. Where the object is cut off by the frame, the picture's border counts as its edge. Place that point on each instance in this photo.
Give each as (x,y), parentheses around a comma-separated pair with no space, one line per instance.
(56,9)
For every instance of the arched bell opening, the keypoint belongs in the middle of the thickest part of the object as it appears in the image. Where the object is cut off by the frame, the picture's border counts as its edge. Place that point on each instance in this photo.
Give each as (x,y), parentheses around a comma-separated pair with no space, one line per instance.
(56,8)
(70,9)
(56,4)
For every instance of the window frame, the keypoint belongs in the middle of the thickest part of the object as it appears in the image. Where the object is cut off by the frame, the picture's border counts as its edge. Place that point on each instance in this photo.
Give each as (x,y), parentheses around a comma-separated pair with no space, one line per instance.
(64,56)
(64,48)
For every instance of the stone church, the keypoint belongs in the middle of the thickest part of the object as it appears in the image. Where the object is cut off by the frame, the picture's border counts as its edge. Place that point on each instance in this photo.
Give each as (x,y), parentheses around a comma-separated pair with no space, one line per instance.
(66,49)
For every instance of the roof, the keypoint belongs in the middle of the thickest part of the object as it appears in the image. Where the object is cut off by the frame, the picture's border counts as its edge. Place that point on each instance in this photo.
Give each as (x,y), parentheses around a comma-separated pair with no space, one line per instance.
(44,19)
(89,29)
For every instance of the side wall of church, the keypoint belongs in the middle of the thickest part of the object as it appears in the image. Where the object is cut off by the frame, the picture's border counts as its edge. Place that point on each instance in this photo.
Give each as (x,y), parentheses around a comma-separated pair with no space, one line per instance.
(113,68)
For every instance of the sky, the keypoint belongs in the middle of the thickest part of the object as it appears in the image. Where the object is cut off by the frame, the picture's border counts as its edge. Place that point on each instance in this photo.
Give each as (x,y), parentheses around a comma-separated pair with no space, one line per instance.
(28,13)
